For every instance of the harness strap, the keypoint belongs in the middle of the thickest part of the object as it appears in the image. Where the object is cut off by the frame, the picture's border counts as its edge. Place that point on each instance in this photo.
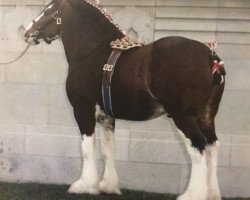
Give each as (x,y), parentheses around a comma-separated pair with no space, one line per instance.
(108,71)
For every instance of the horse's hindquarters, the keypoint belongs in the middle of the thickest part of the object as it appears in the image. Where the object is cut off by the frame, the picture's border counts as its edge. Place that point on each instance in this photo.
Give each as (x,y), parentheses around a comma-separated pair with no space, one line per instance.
(179,75)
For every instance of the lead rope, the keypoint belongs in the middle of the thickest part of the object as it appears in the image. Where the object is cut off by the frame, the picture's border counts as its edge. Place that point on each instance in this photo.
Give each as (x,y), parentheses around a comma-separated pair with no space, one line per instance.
(16,59)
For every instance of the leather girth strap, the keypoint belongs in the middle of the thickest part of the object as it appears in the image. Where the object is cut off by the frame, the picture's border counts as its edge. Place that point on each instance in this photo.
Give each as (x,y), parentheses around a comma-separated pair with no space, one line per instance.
(108,71)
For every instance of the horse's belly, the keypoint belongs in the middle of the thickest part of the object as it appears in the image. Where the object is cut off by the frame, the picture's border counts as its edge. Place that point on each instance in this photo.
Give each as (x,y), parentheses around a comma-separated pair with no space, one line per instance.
(136,108)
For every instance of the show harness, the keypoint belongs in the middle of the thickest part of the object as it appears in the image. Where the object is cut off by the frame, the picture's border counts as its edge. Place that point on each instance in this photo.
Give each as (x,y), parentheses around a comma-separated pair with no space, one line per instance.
(118,47)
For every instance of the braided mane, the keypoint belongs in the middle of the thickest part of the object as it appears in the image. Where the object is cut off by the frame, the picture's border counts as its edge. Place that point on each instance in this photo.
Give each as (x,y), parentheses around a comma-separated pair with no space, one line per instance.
(93,8)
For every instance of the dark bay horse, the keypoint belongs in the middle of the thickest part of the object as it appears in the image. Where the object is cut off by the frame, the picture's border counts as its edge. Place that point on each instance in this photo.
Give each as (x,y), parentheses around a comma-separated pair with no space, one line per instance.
(173,76)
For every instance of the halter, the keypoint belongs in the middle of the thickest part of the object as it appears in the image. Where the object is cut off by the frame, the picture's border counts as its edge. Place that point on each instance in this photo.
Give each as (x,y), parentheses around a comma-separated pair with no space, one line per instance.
(40,29)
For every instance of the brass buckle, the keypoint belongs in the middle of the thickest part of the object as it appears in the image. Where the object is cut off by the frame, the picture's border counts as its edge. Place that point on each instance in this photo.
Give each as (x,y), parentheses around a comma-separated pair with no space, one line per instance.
(108,68)
(58,19)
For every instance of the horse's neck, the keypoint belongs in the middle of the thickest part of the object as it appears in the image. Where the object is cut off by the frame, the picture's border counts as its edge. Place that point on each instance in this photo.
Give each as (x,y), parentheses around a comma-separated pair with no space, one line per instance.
(83,38)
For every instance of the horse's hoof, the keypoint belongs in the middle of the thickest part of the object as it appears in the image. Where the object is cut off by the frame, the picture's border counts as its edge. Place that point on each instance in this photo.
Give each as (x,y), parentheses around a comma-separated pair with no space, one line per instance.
(188,196)
(80,187)
(109,188)
(214,194)
(214,197)
(183,197)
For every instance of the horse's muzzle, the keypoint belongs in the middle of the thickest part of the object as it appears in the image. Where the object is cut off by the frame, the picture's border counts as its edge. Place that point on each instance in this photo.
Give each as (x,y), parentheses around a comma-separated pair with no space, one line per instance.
(32,41)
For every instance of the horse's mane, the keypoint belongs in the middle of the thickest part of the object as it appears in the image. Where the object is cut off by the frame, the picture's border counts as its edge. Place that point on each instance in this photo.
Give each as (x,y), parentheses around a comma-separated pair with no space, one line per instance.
(92,12)
(81,6)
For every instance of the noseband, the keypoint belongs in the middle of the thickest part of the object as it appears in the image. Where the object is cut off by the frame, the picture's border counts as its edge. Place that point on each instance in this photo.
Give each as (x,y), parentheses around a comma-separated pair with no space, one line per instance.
(40,28)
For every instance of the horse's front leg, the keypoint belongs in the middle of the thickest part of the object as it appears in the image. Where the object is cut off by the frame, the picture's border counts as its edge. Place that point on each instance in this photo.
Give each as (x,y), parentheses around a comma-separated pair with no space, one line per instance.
(88,181)
(109,183)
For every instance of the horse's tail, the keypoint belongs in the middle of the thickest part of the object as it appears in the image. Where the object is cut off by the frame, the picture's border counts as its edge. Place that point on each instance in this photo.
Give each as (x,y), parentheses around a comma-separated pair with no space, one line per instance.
(217,69)
(218,72)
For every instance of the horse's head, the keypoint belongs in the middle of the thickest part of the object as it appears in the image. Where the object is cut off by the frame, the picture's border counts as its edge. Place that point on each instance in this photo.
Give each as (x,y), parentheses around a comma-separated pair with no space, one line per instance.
(46,26)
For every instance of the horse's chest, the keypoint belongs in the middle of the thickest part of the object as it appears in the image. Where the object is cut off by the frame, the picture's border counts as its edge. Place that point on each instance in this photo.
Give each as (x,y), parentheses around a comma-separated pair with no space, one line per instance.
(80,87)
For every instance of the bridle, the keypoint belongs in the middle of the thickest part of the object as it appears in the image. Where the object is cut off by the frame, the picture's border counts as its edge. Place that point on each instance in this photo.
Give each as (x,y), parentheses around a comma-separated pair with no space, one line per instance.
(40,32)
(56,16)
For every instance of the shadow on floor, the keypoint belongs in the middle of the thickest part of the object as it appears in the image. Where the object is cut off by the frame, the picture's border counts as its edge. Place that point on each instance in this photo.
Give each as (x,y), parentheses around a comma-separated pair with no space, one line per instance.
(33,191)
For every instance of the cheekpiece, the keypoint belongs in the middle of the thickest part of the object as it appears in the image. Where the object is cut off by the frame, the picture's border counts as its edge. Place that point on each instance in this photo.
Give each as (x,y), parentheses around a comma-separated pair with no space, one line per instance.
(125,44)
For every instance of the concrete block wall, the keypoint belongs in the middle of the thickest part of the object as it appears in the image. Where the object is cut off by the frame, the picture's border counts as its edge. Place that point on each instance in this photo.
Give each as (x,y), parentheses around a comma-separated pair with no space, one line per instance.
(39,138)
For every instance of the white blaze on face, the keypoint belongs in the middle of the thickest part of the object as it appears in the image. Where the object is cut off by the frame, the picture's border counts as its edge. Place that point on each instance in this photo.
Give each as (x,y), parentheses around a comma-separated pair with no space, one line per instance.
(197,188)
(37,19)
(29,27)
(40,16)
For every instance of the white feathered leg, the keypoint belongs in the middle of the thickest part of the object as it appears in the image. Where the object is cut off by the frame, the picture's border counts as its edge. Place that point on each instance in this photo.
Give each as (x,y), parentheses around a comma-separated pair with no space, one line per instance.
(212,157)
(197,188)
(109,183)
(88,182)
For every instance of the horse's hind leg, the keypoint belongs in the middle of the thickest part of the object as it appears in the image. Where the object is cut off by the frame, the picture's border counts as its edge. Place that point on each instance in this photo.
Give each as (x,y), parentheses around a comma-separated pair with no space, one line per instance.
(109,183)
(208,129)
(207,126)
(196,143)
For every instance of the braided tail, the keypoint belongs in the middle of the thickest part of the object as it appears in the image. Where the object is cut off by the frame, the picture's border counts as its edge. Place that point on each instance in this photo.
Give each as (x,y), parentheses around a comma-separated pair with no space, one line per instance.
(217,69)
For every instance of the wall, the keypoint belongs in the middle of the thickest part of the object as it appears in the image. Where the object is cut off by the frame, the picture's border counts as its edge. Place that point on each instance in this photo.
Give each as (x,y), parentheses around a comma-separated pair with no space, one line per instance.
(39,139)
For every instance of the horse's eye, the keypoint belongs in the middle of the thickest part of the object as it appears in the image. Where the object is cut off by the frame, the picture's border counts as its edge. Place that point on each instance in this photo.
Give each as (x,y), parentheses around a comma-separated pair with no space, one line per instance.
(46,12)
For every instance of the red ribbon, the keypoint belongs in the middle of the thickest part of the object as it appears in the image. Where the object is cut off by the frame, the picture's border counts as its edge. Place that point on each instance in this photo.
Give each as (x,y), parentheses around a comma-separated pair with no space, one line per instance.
(216,67)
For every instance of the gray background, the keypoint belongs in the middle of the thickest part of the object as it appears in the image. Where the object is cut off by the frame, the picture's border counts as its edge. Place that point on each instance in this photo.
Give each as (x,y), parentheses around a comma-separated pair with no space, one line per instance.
(39,139)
